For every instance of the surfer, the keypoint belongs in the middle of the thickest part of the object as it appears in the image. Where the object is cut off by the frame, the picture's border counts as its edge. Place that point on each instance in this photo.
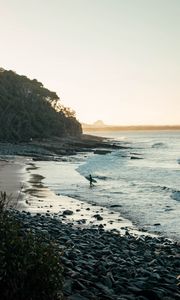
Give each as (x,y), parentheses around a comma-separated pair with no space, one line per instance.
(90,180)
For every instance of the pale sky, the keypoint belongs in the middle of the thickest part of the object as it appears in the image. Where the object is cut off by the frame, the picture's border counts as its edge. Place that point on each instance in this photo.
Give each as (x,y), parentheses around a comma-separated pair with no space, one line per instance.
(113,60)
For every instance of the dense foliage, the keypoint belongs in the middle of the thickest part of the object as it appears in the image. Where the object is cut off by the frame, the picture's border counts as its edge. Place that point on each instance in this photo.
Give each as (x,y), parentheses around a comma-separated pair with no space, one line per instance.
(29,110)
(29,264)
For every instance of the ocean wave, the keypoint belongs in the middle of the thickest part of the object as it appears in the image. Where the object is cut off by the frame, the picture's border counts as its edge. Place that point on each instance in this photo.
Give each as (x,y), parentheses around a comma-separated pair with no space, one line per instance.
(101,177)
(159,145)
(175,194)
(166,188)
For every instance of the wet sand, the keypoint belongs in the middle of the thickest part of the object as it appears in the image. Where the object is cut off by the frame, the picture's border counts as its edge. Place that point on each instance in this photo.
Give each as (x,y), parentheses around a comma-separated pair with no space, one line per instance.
(12,179)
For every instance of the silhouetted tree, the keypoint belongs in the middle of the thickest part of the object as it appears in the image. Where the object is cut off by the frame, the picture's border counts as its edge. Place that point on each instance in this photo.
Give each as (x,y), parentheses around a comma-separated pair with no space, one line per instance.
(29,110)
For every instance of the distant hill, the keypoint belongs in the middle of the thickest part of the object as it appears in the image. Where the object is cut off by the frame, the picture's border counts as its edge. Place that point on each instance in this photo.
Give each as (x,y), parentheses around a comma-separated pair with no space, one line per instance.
(29,110)
(97,124)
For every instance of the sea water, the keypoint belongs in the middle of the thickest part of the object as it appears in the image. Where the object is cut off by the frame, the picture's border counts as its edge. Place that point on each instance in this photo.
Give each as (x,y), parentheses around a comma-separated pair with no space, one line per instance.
(143,181)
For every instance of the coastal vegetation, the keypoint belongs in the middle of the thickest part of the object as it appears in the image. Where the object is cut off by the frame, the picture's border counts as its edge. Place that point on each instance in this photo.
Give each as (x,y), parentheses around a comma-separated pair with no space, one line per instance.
(29,110)
(30,265)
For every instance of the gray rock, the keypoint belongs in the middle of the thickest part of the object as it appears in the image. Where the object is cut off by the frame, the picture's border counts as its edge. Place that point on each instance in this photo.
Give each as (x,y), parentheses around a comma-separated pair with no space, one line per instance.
(67,212)
(98,217)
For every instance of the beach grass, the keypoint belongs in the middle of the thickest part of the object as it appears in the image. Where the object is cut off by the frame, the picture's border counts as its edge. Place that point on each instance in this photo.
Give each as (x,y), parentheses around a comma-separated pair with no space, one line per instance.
(30,265)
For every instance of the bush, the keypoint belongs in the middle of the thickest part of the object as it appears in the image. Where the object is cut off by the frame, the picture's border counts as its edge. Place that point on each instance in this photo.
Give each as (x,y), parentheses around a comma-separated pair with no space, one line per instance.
(3,201)
(29,264)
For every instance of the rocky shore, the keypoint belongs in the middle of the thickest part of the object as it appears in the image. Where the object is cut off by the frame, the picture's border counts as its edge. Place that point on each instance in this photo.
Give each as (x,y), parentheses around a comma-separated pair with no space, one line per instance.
(101,264)
(54,148)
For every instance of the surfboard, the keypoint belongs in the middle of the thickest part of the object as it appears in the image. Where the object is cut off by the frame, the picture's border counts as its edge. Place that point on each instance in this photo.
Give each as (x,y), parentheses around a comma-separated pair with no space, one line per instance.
(93,180)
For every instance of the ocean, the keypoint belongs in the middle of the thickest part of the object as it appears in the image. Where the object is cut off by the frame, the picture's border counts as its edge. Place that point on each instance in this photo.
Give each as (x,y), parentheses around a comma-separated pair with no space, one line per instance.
(141,182)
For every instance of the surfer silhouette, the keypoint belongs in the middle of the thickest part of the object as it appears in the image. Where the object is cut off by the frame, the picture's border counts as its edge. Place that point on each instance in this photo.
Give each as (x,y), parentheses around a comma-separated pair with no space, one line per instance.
(90,180)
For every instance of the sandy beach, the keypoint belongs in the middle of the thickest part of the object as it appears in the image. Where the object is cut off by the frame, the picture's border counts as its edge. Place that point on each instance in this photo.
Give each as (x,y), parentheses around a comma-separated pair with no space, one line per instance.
(13,178)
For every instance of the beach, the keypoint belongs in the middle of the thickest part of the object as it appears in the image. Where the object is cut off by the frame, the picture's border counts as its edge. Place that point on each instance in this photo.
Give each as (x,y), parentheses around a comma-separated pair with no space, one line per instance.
(104,256)
(39,199)
(13,176)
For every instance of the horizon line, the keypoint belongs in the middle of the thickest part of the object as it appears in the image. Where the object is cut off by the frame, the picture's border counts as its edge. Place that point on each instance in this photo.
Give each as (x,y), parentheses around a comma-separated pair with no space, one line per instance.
(129,125)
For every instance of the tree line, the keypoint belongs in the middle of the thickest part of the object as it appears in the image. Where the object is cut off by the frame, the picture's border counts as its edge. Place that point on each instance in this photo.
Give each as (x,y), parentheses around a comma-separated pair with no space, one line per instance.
(29,110)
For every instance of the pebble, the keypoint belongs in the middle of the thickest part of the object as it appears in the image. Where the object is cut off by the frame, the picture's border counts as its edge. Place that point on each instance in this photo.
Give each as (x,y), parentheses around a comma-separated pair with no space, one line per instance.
(98,217)
(67,212)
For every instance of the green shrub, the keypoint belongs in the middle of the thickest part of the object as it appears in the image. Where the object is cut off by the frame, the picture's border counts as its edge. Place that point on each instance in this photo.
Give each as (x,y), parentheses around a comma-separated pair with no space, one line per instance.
(30,266)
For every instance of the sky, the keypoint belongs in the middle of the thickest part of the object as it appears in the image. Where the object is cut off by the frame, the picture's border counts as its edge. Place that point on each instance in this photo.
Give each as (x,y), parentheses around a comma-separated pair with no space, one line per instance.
(111,60)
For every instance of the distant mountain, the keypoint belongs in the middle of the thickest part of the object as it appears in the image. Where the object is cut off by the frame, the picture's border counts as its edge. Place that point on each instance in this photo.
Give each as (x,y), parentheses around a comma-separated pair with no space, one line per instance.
(29,110)
(97,124)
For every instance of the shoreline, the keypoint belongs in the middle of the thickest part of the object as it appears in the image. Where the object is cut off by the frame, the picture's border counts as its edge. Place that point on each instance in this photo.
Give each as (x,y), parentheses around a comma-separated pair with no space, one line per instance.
(27,192)
(83,209)
(70,210)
